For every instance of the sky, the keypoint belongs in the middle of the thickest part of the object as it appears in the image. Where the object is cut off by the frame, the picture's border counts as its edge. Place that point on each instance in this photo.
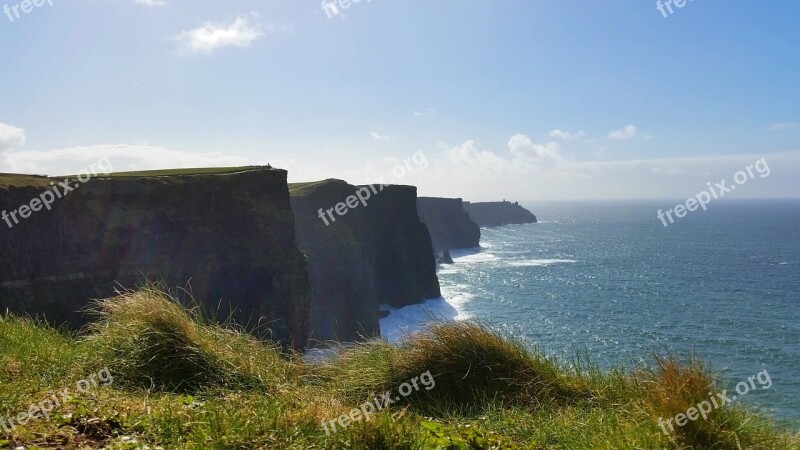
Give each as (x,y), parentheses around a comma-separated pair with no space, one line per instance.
(531,100)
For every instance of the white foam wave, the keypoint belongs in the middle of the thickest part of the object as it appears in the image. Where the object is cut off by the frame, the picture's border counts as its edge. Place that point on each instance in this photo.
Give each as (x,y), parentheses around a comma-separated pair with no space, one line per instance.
(474,258)
(446,269)
(539,262)
(457,295)
(415,318)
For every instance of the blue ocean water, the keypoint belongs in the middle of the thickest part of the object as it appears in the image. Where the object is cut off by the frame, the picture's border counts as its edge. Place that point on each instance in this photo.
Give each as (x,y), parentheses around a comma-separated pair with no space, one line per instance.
(723,284)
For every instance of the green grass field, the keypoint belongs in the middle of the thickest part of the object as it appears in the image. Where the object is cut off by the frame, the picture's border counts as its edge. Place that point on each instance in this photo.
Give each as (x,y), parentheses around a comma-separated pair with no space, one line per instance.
(179,382)
(177,172)
(8,180)
(305,188)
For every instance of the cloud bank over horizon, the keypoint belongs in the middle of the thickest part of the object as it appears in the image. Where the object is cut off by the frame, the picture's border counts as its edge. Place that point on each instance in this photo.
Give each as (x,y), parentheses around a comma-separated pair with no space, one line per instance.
(523,170)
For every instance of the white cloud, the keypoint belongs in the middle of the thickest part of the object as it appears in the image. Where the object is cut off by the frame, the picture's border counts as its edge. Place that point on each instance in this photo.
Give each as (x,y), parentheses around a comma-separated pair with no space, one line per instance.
(628,132)
(10,137)
(214,36)
(379,137)
(468,155)
(669,171)
(426,113)
(122,157)
(521,146)
(151,3)
(667,178)
(783,126)
(567,136)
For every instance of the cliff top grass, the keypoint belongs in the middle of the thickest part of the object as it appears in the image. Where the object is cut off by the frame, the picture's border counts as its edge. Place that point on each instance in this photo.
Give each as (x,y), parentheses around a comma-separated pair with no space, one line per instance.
(443,199)
(8,180)
(180,382)
(184,172)
(301,189)
(306,188)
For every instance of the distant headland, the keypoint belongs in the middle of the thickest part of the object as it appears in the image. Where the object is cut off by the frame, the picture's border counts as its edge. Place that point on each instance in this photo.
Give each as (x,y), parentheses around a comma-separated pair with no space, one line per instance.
(498,214)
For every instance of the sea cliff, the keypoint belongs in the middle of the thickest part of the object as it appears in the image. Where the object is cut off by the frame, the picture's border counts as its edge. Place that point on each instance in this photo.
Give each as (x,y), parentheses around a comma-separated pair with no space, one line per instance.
(228,238)
(448,223)
(497,214)
(376,253)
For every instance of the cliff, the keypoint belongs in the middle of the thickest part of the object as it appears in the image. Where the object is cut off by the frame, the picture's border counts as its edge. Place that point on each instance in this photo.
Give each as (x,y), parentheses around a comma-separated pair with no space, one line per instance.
(377,252)
(497,214)
(448,223)
(227,237)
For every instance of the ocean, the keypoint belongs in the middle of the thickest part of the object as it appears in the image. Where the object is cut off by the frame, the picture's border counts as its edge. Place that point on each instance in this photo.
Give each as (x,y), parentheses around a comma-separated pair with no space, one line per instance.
(608,277)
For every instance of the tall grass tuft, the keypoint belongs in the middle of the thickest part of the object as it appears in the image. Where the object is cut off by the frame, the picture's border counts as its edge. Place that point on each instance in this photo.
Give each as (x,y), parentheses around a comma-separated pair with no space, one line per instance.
(473,366)
(149,340)
(673,387)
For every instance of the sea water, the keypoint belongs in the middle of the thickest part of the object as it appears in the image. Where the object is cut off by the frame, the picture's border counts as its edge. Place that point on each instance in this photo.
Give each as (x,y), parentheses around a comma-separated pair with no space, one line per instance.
(722,284)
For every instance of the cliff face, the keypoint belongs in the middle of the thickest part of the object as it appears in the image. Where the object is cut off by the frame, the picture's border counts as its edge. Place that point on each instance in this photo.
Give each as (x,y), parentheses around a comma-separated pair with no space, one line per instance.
(378,253)
(496,214)
(448,223)
(226,237)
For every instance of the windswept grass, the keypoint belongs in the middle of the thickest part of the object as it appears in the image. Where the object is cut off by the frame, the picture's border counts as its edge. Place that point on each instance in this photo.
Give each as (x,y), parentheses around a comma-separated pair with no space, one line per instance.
(473,368)
(182,382)
(32,357)
(150,341)
(672,388)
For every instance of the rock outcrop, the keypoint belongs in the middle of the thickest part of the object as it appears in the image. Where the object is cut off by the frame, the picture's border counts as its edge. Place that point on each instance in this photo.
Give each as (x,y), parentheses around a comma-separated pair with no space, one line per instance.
(497,214)
(377,252)
(446,258)
(448,223)
(228,238)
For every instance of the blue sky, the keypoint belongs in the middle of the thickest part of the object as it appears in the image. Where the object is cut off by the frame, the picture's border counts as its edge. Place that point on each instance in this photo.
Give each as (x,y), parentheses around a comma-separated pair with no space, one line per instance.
(533,100)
